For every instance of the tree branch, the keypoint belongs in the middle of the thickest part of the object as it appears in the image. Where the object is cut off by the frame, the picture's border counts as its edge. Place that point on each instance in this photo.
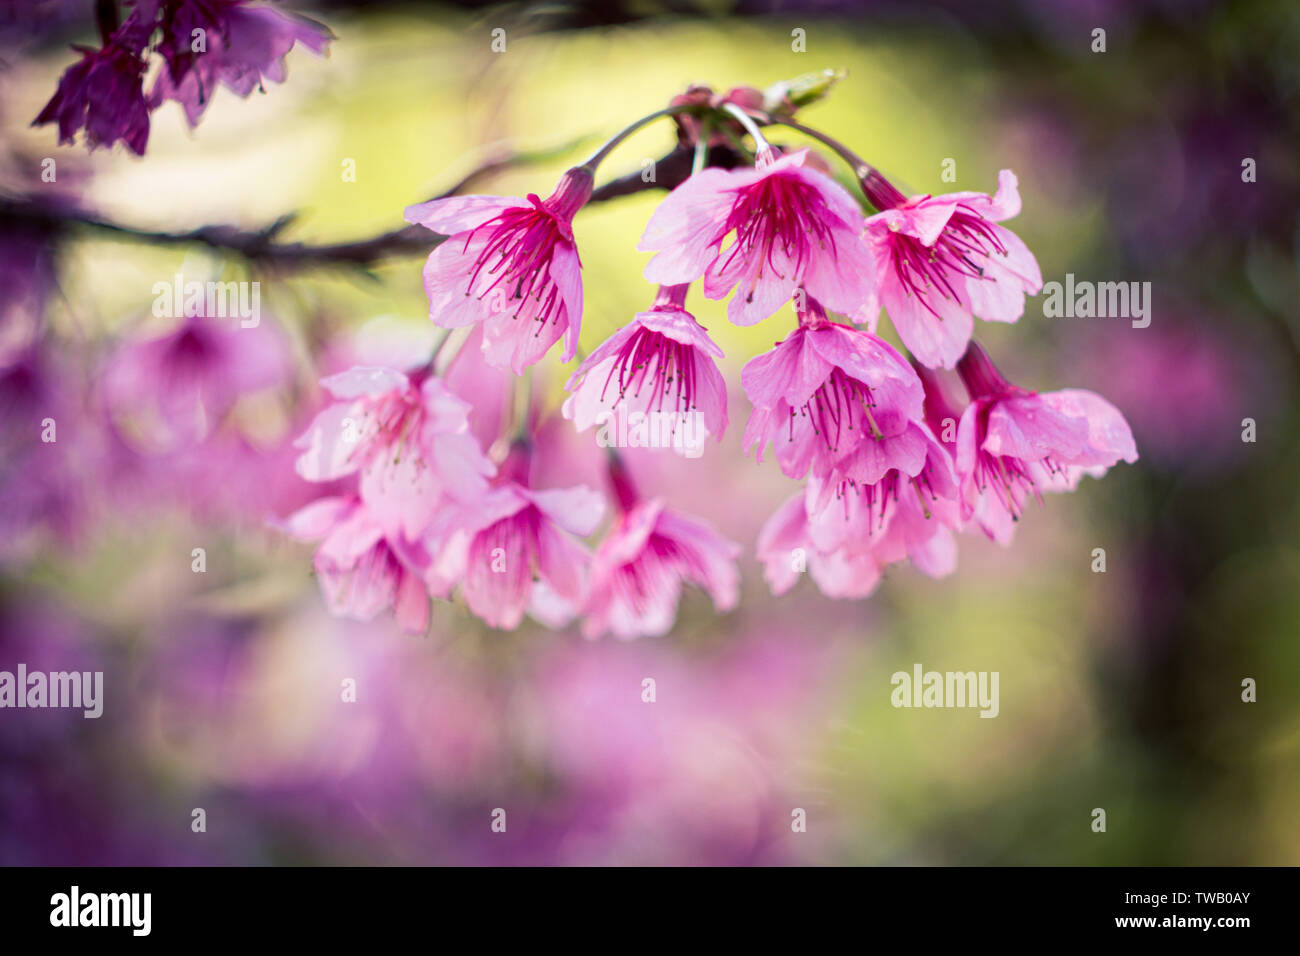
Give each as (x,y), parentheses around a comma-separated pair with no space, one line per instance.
(262,246)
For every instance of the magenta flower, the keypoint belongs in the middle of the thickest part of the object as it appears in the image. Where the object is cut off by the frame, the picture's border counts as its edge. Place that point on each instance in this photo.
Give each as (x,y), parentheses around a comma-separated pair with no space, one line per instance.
(638,570)
(793,226)
(663,362)
(245,45)
(825,389)
(942,260)
(513,549)
(1013,443)
(362,570)
(174,388)
(511,264)
(102,94)
(406,434)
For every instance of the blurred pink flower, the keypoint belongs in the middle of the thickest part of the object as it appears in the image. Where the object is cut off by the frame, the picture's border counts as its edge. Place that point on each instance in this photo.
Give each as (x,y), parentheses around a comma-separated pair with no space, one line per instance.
(362,569)
(786,549)
(1013,443)
(511,264)
(512,549)
(663,361)
(174,388)
(406,434)
(794,226)
(942,259)
(638,571)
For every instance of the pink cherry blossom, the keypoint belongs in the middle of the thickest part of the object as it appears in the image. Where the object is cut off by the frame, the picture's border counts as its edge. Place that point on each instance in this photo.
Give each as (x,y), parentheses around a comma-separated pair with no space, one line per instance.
(246,45)
(639,569)
(1013,443)
(406,434)
(363,571)
(511,264)
(663,361)
(942,260)
(825,389)
(514,549)
(174,388)
(793,226)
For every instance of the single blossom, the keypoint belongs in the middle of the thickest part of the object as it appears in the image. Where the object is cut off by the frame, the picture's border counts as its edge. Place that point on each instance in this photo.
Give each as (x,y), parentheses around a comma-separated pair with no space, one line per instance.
(363,570)
(942,260)
(511,264)
(174,388)
(793,226)
(244,46)
(639,569)
(406,434)
(824,390)
(661,363)
(513,549)
(1013,443)
(103,95)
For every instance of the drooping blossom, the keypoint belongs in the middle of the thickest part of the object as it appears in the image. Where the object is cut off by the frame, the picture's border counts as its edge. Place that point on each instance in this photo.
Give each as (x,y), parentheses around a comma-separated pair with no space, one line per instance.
(244,46)
(511,264)
(513,549)
(824,390)
(363,570)
(941,260)
(174,388)
(406,434)
(639,569)
(102,94)
(1013,443)
(793,226)
(661,363)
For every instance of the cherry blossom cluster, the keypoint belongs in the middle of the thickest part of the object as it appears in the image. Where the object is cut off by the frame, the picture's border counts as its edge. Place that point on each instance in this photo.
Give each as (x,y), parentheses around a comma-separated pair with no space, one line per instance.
(202,44)
(892,465)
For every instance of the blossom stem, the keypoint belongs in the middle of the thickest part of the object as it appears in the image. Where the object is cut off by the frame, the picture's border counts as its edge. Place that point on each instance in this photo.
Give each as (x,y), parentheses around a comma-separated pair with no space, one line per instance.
(747,121)
(701,150)
(861,168)
(880,192)
(523,401)
(599,156)
(106,18)
(443,336)
(621,481)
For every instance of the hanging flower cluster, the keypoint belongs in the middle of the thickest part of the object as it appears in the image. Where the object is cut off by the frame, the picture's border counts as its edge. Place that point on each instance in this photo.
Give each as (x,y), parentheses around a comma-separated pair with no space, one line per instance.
(892,467)
(202,44)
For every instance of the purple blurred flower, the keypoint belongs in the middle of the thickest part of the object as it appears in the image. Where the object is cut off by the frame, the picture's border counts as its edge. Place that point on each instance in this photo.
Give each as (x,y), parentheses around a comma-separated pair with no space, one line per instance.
(102,94)
(173,389)
(243,45)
